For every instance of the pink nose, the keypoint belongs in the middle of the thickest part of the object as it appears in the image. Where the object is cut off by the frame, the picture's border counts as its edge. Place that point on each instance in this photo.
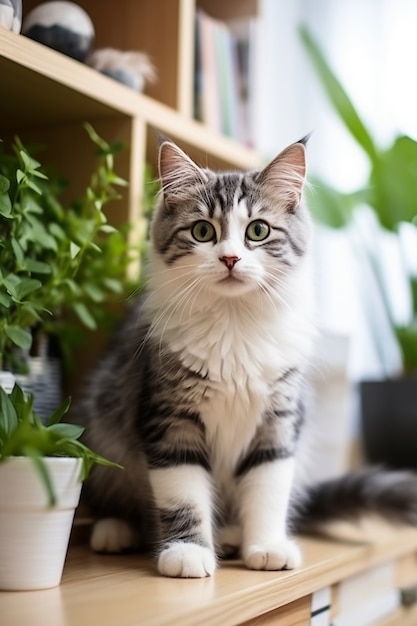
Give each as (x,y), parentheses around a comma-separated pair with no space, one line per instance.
(229,261)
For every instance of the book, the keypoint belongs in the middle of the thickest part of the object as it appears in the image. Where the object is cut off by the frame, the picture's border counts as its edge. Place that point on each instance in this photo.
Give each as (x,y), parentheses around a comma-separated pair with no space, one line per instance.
(221,80)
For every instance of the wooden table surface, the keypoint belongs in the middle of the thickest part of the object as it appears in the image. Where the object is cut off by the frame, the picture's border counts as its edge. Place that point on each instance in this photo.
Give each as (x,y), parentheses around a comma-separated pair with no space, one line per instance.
(126,591)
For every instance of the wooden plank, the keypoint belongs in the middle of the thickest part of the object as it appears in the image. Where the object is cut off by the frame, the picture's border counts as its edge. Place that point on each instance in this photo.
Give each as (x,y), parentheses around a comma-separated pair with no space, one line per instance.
(297,613)
(125,590)
(222,10)
(403,617)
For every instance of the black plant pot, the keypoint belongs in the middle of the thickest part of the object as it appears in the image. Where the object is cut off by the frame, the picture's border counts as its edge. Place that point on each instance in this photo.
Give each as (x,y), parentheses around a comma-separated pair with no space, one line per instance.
(389,422)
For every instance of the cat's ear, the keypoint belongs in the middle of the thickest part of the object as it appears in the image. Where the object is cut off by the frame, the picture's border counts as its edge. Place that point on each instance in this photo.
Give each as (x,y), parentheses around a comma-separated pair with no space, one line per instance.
(176,169)
(286,174)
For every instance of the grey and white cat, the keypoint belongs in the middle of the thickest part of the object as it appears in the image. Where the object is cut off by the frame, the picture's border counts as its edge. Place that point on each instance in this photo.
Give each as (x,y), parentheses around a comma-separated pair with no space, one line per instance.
(201,396)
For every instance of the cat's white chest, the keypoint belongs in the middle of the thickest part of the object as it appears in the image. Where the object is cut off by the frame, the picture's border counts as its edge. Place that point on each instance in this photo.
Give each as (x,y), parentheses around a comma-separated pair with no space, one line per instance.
(231,413)
(239,353)
(240,361)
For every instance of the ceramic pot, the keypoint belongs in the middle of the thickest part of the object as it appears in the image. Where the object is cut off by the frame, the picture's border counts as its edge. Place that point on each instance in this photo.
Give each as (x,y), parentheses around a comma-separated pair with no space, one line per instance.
(33,536)
(389,422)
(7,381)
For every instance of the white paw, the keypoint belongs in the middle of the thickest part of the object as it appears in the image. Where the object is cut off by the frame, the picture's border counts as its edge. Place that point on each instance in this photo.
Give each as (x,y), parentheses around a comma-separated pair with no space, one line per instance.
(284,554)
(113,535)
(186,560)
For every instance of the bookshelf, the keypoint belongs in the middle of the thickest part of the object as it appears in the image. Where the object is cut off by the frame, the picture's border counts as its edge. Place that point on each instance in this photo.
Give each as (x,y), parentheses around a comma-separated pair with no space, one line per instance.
(45,97)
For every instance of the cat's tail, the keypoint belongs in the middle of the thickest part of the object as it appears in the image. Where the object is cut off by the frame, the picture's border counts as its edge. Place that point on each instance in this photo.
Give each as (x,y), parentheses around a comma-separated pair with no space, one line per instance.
(391,495)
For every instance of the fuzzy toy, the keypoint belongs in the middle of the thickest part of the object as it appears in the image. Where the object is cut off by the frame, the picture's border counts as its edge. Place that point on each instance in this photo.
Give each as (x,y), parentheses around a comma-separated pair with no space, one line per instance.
(131,68)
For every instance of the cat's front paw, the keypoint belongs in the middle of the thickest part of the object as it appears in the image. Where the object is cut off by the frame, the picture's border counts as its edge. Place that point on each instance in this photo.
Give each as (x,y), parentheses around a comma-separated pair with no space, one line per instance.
(113,535)
(284,554)
(186,560)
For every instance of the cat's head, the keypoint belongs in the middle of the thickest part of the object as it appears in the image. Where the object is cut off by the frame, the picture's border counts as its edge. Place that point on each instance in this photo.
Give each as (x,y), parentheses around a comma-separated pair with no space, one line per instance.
(229,233)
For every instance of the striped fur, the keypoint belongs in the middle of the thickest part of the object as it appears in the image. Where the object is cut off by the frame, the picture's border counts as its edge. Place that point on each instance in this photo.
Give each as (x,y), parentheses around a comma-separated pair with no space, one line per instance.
(201,394)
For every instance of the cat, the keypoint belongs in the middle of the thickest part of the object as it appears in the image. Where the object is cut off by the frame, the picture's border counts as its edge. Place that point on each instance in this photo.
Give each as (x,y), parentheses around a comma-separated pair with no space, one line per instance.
(202,394)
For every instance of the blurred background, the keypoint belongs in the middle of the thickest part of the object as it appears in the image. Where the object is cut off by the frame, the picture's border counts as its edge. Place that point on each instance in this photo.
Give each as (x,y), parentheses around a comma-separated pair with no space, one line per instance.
(372,48)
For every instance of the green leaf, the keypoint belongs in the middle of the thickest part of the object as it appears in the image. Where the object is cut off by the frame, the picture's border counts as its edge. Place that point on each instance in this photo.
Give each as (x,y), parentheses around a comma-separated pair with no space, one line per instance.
(25,287)
(20,176)
(85,316)
(72,286)
(8,416)
(17,249)
(20,337)
(407,338)
(4,184)
(39,175)
(33,186)
(29,162)
(5,202)
(42,471)
(32,311)
(338,96)
(108,229)
(394,180)
(94,246)
(38,267)
(99,141)
(57,231)
(67,431)
(74,249)
(11,282)
(6,207)
(5,300)
(22,403)
(95,293)
(113,285)
(59,412)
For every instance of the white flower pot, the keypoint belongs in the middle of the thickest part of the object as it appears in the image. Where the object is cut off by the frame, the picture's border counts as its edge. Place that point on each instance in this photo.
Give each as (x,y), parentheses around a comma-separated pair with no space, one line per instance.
(33,536)
(7,381)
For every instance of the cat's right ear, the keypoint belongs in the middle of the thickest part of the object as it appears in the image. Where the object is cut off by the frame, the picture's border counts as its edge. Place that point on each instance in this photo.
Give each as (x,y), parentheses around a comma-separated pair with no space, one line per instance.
(176,169)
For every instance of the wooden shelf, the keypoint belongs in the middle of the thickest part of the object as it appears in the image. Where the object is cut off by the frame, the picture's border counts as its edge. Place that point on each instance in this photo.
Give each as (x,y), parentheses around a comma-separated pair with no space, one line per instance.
(46,88)
(126,591)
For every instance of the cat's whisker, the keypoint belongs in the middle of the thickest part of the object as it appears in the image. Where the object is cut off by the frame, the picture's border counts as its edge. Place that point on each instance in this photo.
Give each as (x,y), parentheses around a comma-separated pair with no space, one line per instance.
(275,295)
(163,287)
(173,307)
(170,300)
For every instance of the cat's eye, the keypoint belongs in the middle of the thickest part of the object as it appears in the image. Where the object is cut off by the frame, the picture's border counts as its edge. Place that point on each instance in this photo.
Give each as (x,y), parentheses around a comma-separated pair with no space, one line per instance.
(203,231)
(257,230)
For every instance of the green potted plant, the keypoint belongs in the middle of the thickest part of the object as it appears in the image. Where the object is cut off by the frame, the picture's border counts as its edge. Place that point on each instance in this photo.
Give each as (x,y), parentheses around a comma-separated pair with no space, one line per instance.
(42,467)
(389,406)
(59,264)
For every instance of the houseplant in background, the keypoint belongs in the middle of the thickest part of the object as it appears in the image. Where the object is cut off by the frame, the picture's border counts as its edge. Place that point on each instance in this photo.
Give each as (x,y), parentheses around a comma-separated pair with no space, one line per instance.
(42,467)
(389,406)
(58,264)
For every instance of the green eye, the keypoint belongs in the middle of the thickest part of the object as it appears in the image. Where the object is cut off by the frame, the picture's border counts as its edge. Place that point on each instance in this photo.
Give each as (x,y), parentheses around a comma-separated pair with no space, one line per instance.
(257,230)
(203,231)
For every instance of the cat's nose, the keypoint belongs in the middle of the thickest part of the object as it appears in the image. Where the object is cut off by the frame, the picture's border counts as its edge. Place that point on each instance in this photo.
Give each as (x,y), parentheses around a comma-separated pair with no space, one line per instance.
(229,261)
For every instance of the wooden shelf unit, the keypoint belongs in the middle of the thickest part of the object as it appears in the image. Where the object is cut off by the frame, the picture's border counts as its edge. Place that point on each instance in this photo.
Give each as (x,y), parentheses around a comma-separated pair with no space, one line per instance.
(45,97)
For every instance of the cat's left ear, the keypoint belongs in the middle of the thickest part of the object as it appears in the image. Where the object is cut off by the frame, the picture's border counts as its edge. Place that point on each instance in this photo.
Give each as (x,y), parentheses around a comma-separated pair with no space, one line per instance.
(176,169)
(286,174)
